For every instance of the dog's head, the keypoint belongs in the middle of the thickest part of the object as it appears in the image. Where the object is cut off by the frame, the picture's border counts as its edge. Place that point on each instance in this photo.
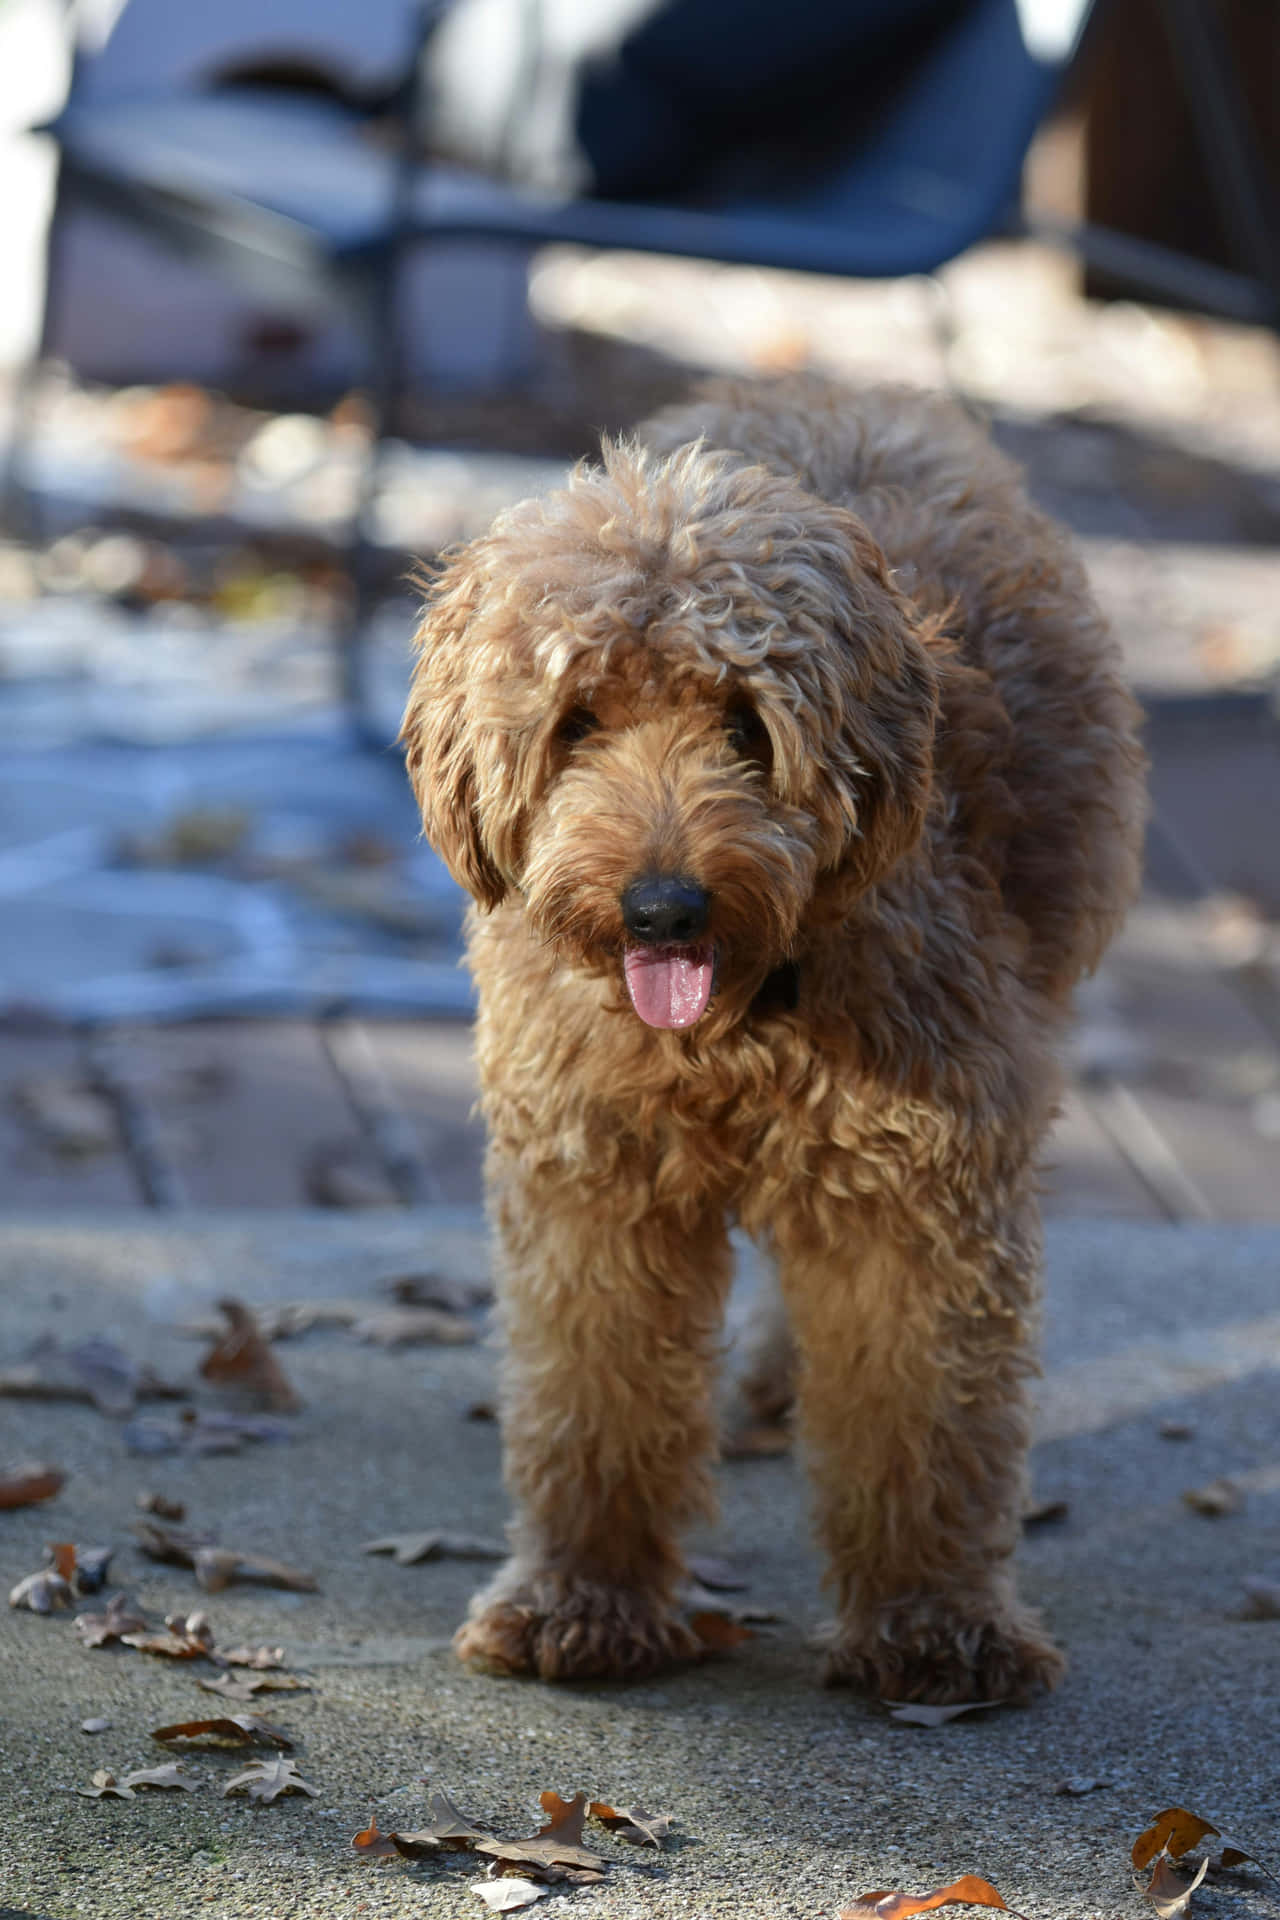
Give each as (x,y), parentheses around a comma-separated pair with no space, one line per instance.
(681,710)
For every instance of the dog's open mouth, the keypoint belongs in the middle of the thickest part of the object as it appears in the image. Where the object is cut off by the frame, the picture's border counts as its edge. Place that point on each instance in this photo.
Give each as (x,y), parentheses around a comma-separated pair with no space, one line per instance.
(670,986)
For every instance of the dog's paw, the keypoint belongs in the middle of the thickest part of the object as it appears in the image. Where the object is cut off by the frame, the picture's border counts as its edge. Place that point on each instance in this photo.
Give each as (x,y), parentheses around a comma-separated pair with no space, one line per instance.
(564,1629)
(920,1651)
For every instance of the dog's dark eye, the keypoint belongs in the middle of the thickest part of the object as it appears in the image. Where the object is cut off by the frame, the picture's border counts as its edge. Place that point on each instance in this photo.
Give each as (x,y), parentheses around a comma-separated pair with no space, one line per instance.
(748,735)
(576,725)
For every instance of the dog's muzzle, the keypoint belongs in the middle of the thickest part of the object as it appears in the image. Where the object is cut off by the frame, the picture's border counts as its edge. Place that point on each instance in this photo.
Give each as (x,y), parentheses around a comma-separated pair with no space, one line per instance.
(668,964)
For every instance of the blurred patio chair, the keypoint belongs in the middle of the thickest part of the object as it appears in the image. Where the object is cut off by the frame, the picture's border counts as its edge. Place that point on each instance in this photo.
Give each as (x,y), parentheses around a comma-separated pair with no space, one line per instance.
(300,192)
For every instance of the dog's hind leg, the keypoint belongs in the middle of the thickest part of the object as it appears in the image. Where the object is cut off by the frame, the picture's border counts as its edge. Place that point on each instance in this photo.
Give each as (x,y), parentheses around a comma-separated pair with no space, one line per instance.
(611,1300)
(913,1412)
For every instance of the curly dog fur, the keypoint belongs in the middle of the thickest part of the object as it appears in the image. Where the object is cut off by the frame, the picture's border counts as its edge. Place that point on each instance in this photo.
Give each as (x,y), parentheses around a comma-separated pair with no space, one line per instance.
(810,664)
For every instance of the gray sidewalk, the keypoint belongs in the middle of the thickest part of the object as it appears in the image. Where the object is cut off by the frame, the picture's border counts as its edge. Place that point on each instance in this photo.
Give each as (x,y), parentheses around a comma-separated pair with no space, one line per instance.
(787,1800)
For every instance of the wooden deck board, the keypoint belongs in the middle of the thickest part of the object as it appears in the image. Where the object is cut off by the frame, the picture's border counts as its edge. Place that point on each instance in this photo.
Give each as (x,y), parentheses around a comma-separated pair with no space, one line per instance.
(34,1176)
(421,1077)
(244,1111)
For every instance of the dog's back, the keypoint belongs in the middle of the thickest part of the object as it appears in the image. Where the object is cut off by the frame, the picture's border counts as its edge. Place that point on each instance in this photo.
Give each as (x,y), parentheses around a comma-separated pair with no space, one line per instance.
(1036,750)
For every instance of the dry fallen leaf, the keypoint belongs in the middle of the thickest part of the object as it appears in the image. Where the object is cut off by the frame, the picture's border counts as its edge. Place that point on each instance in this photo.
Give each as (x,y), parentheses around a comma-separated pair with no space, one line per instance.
(913,1713)
(409,1549)
(1261,1599)
(176,1546)
(632,1824)
(261,1659)
(95,1369)
(242,1361)
(414,1326)
(217,1567)
(44,1592)
(267,1779)
(185,1637)
(436,1290)
(373,1845)
(69,1116)
(121,1617)
(234,1730)
(718,1632)
(759,1441)
(1175,1832)
(162,1507)
(1168,1892)
(1219,1497)
(203,1433)
(1045,1513)
(507,1894)
(169,1775)
(244,1687)
(448,1827)
(106,1786)
(967,1891)
(559,1843)
(24,1486)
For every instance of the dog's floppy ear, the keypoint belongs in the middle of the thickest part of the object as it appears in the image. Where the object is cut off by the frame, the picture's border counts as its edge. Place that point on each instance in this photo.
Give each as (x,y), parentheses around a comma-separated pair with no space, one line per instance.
(440,731)
(877,777)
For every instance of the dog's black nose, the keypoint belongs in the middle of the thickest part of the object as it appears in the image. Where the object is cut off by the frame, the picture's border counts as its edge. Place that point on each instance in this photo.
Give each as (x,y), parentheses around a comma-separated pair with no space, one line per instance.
(662,910)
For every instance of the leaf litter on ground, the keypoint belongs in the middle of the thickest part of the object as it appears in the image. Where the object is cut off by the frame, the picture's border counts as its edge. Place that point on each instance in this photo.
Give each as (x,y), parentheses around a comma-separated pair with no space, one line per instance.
(216,1567)
(106,1786)
(919,1713)
(95,1369)
(266,1780)
(30,1483)
(508,1894)
(967,1891)
(410,1549)
(1177,1831)
(242,1362)
(230,1730)
(119,1618)
(201,1432)
(1261,1599)
(43,1592)
(555,1853)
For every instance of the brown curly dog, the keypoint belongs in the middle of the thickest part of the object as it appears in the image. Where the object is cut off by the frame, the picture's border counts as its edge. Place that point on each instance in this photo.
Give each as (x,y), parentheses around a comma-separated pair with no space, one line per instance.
(786,759)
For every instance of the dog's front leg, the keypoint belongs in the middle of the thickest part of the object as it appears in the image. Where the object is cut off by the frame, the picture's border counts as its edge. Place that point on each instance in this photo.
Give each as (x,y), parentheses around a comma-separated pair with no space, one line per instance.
(611,1303)
(913,1360)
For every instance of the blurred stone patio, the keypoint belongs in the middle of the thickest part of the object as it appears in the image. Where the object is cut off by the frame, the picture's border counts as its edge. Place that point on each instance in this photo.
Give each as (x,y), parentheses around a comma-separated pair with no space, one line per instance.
(227,963)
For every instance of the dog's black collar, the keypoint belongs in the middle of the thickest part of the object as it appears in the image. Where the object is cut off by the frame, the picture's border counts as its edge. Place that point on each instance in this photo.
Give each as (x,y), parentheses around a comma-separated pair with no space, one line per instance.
(779,992)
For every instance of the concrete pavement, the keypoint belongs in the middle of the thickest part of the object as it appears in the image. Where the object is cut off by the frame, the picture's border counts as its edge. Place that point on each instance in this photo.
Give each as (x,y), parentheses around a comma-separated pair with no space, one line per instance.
(788,1801)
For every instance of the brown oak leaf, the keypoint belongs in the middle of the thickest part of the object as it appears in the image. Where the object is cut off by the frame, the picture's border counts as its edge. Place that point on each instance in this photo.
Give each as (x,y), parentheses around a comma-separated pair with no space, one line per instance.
(233,1730)
(372,1844)
(121,1617)
(33,1481)
(267,1779)
(559,1843)
(242,1361)
(448,1828)
(410,1549)
(967,1891)
(632,1824)
(1167,1891)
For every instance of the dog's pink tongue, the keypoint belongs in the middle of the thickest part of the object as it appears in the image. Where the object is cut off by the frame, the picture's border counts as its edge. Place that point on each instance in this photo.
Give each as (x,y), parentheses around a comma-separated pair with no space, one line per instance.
(669,986)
